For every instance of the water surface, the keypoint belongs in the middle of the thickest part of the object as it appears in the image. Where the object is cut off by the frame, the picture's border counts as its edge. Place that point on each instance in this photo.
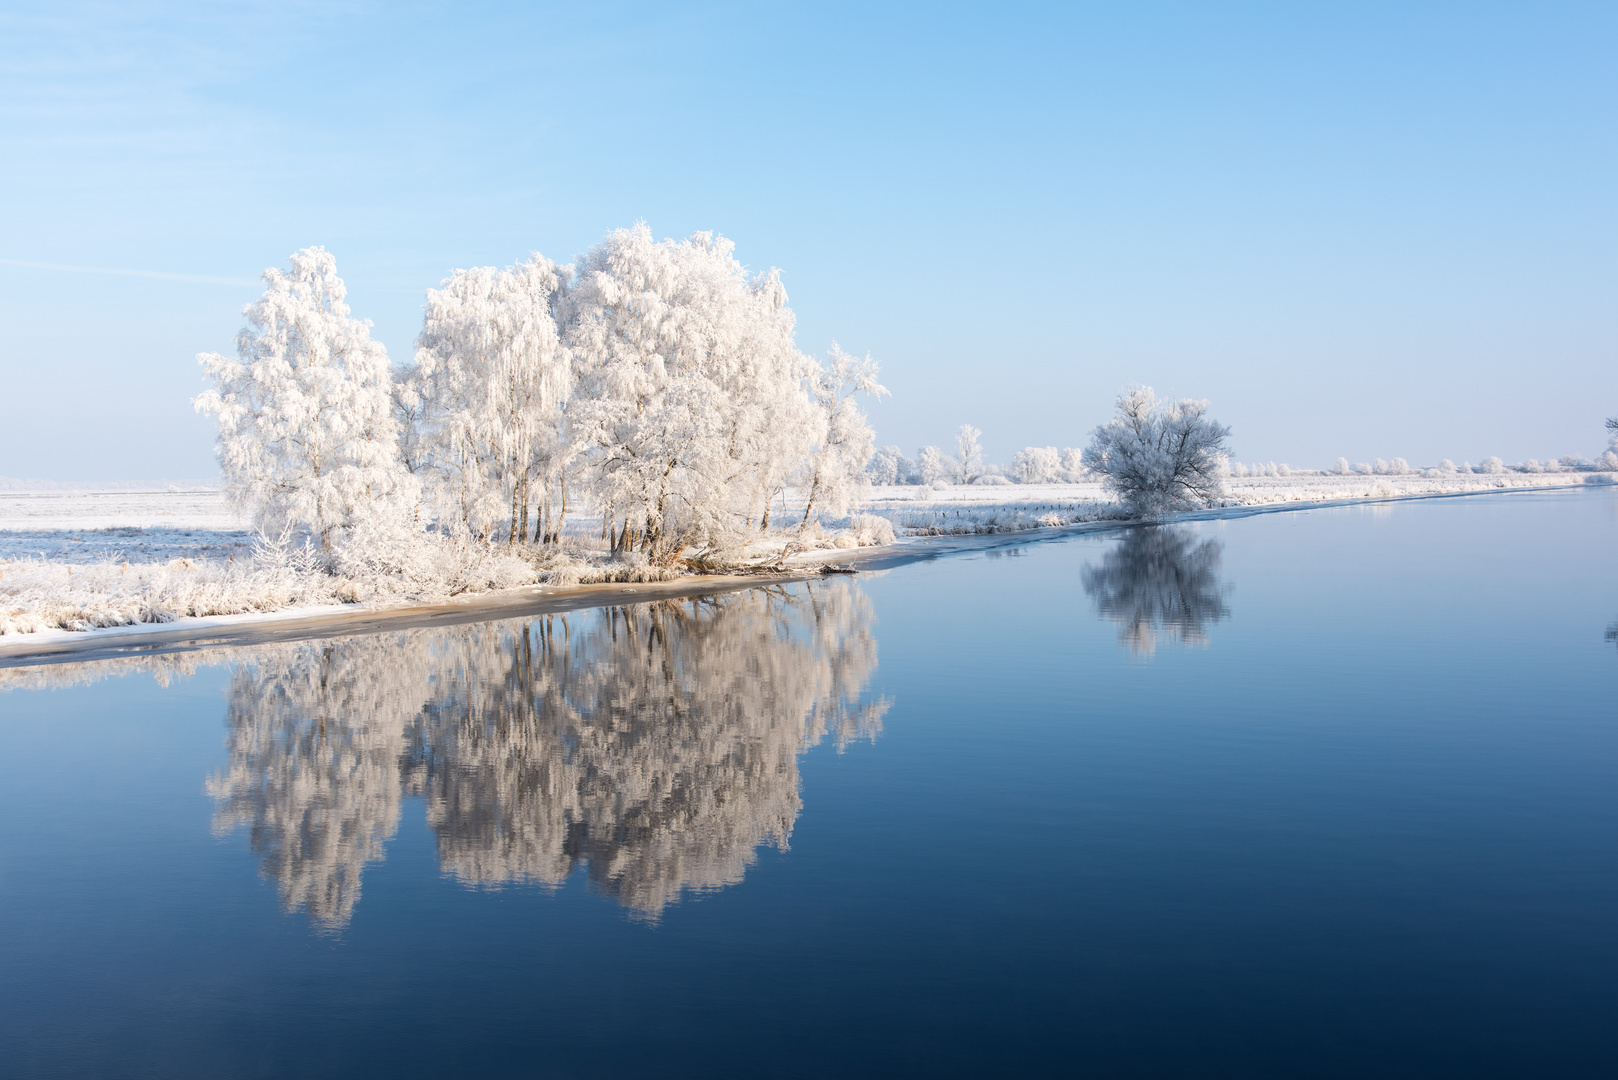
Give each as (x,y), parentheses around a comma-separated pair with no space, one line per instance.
(1328,793)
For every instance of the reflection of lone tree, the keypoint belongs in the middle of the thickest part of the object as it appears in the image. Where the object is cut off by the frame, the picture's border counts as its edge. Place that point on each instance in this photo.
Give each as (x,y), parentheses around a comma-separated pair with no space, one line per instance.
(1158,580)
(1612,633)
(655,746)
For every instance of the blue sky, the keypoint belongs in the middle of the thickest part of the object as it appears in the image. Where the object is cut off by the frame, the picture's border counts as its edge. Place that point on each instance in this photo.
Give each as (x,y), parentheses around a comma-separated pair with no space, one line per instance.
(1360,229)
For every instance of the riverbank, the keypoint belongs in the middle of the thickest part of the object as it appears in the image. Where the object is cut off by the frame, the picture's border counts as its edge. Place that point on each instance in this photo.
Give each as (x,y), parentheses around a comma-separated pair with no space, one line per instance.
(297,621)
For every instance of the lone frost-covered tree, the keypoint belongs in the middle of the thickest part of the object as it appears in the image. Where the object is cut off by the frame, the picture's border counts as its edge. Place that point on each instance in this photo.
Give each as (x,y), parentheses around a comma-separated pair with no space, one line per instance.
(968,453)
(308,440)
(1159,457)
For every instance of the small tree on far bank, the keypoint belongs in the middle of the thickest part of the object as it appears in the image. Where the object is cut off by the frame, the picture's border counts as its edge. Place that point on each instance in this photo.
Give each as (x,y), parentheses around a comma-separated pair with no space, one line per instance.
(968,453)
(1159,457)
(834,473)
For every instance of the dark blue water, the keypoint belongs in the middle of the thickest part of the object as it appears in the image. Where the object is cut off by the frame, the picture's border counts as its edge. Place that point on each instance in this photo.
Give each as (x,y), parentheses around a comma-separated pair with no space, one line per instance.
(1330,793)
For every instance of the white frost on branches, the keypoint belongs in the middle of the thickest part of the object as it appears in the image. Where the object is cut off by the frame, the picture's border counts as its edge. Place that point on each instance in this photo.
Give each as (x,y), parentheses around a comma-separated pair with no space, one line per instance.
(659,384)
(691,410)
(484,401)
(1159,457)
(307,436)
(835,476)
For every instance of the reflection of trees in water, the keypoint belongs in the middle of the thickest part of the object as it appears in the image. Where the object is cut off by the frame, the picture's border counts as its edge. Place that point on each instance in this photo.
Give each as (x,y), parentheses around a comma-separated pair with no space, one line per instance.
(316,736)
(1612,633)
(656,745)
(1156,581)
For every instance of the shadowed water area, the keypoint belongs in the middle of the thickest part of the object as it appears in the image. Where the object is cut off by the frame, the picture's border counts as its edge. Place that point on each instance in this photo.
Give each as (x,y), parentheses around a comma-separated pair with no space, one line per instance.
(1329,793)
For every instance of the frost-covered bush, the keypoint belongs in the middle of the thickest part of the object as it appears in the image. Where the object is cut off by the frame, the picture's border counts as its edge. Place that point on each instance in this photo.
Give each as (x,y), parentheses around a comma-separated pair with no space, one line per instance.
(1492,466)
(1342,467)
(869,530)
(1159,456)
(1608,460)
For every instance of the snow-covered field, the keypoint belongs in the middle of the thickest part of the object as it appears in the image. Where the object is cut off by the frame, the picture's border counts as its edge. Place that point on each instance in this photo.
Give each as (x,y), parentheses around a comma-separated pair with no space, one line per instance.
(82,527)
(920,511)
(81,560)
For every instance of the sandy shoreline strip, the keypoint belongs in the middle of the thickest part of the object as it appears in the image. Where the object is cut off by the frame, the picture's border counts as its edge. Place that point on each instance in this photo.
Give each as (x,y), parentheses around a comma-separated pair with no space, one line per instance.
(188,634)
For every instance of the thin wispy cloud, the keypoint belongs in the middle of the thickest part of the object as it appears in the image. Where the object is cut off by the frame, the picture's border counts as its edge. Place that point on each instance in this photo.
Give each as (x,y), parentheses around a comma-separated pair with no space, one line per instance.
(200,279)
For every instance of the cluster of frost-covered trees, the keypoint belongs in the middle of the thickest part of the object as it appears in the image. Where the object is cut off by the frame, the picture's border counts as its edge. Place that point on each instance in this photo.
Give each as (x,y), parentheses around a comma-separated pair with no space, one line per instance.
(655,382)
(933,467)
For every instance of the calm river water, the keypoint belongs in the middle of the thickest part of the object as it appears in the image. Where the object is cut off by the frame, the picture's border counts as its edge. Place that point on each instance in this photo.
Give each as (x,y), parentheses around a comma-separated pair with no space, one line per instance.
(1331,793)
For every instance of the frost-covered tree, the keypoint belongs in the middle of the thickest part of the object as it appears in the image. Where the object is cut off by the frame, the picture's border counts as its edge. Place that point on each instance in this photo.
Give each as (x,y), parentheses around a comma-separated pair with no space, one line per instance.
(485,397)
(691,405)
(834,472)
(1159,456)
(968,453)
(1073,467)
(934,467)
(1036,465)
(307,434)
(888,465)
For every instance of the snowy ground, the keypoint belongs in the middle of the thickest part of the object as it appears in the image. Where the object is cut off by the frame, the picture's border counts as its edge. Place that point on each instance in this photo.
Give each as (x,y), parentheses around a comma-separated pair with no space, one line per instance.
(920,511)
(83,560)
(83,527)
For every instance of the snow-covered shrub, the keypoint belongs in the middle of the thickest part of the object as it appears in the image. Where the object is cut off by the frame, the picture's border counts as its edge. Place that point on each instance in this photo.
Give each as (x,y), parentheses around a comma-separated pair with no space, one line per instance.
(1608,460)
(1159,456)
(1447,467)
(1342,468)
(1283,470)
(1364,468)
(1492,466)
(869,530)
